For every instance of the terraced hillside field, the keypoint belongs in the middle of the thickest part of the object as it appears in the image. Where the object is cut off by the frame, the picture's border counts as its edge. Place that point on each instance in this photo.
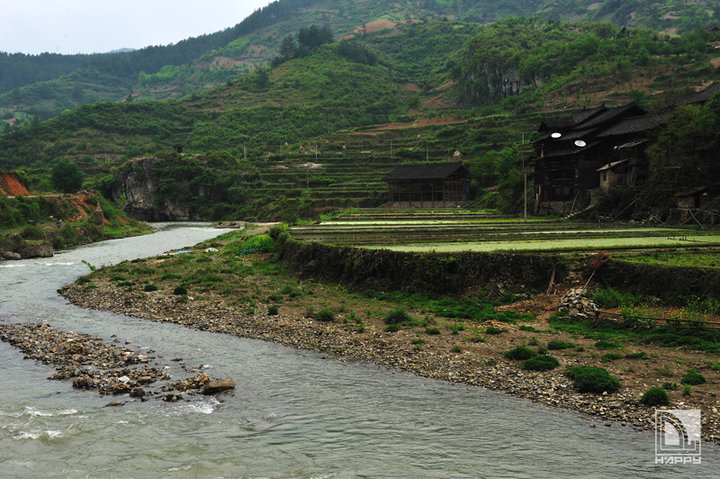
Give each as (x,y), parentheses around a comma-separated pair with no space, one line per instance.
(460,230)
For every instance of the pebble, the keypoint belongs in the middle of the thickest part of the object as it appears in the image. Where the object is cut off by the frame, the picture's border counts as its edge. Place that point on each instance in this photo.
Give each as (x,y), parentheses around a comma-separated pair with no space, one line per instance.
(90,363)
(551,388)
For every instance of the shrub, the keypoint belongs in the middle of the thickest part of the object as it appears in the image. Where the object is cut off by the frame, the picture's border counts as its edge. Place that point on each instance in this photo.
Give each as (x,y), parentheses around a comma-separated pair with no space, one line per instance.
(655,397)
(607,357)
(670,386)
(432,331)
(455,328)
(557,344)
(457,348)
(255,244)
(180,290)
(397,316)
(273,310)
(520,353)
(168,276)
(693,378)
(640,355)
(592,379)
(325,315)
(687,389)
(32,232)
(418,341)
(612,298)
(541,362)
(150,287)
(392,328)
(495,330)
(605,344)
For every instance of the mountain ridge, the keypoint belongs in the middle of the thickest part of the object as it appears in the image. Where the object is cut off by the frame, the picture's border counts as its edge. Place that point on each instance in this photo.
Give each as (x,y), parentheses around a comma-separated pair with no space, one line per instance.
(196,63)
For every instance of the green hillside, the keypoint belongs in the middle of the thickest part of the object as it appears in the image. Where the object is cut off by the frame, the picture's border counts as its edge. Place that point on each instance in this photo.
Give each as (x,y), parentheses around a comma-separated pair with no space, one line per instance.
(321,128)
(42,86)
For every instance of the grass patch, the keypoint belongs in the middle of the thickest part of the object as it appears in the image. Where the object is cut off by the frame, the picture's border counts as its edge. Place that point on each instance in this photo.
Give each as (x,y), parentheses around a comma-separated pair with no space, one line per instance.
(592,379)
(520,353)
(670,336)
(606,344)
(541,362)
(608,357)
(325,316)
(472,309)
(495,330)
(557,344)
(655,397)
(612,298)
(693,378)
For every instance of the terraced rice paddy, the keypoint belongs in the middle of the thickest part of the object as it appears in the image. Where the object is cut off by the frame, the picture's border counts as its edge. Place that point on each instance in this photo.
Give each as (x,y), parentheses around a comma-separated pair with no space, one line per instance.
(455,231)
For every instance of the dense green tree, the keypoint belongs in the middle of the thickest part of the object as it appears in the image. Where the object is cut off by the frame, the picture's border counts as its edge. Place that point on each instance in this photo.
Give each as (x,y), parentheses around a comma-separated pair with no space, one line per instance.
(66,176)
(288,47)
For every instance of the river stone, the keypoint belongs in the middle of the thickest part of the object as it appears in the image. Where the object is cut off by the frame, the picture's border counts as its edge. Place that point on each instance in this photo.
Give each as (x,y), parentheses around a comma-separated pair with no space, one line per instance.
(40,250)
(137,392)
(221,385)
(10,255)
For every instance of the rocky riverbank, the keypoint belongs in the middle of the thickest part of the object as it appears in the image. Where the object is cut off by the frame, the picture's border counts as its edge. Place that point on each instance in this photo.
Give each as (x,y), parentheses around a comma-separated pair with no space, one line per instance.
(435,358)
(111,370)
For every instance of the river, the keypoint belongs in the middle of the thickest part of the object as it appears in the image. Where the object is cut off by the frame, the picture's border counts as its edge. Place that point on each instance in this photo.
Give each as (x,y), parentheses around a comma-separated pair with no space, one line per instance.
(294,413)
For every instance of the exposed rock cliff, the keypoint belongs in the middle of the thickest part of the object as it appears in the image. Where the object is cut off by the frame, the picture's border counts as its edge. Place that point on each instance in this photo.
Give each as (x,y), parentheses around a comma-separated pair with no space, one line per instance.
(139,193)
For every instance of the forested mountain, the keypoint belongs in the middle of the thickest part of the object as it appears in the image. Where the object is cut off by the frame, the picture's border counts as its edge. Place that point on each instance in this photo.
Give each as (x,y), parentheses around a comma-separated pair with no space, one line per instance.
(313,104)
(42,86)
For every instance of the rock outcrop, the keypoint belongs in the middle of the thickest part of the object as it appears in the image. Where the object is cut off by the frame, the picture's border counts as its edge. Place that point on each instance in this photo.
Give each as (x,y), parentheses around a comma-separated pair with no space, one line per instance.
(139,192)
(36,250)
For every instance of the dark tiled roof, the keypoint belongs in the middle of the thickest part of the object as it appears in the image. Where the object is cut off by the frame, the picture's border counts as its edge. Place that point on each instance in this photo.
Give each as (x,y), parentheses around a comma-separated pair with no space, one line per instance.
(701,96)
(613,113)
(633,125)
(575,119)
(433,171)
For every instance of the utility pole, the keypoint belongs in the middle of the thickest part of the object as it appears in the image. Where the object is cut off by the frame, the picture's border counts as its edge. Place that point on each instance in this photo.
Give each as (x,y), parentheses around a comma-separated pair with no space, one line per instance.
(524,190)
(391,145)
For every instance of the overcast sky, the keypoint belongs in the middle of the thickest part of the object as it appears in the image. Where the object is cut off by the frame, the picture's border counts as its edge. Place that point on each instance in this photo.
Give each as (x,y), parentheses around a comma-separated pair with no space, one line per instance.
(98,26)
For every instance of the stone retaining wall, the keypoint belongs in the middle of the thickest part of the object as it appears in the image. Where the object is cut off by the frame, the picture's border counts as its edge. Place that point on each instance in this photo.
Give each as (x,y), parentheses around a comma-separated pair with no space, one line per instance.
(434,273)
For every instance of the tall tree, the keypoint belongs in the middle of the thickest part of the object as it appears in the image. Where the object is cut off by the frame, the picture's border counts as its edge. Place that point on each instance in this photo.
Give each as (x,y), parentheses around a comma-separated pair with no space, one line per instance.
(66,176)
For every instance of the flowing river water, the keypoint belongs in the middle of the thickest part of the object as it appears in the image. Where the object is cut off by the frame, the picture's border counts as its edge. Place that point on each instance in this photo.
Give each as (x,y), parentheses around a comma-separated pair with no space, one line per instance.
(294,414)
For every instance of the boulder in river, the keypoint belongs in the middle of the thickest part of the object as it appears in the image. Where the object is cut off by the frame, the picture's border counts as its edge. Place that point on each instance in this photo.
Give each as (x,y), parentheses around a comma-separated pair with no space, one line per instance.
(214,387)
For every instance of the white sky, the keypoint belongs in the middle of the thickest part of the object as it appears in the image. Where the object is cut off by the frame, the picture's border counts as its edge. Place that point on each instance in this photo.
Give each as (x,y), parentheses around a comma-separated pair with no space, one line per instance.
(99,26)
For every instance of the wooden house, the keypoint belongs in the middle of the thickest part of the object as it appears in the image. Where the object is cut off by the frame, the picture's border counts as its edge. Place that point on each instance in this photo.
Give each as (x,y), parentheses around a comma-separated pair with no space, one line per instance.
(691,199)
(428,186)
(579,153)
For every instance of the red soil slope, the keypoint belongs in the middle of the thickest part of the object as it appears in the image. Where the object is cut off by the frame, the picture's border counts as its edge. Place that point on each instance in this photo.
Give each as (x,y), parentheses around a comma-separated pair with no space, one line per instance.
(11,186)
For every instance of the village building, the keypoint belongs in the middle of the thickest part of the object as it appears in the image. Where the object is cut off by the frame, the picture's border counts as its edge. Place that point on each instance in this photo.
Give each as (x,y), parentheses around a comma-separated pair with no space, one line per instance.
(435,185)
(579,156)
(588,150)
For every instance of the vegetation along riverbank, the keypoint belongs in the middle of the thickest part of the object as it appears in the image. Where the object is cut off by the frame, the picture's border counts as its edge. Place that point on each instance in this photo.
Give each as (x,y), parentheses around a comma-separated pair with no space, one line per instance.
(33,225)
(500,338)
